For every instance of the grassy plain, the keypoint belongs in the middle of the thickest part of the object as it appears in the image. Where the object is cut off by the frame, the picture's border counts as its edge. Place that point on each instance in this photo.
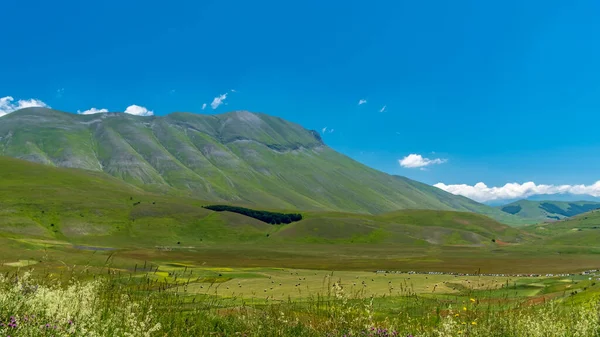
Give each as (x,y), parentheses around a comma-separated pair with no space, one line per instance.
(182,298)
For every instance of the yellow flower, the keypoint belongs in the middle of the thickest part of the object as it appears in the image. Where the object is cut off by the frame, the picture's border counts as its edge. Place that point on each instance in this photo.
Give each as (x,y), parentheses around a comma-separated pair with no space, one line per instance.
(465,308)
(473,323)
(456,315)
(472,300)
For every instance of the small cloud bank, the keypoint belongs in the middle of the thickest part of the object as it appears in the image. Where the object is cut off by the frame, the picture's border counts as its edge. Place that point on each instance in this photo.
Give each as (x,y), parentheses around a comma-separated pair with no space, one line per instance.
(417,161)
(217,101)
(138,110)
(482,193)
(203,106)
(362,101)
(91,111)
(132,110)
(8,104)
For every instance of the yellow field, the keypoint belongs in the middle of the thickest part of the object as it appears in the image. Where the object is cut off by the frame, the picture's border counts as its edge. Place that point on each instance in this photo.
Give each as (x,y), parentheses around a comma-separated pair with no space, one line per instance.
(283,284)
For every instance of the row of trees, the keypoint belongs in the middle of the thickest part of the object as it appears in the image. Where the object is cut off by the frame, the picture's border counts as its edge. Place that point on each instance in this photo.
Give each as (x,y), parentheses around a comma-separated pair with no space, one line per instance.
(268,217)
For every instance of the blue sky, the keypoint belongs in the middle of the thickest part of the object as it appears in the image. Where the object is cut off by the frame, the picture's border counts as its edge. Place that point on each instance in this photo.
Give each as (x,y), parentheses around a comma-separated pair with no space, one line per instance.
(500,92)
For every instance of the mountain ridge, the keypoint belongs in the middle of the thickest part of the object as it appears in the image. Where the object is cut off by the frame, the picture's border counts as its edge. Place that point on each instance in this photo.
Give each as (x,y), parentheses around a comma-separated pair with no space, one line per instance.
(568,197)
(239,157)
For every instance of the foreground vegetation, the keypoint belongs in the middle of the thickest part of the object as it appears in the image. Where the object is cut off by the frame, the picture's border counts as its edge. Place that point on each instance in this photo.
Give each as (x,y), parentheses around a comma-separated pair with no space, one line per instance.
(138,304)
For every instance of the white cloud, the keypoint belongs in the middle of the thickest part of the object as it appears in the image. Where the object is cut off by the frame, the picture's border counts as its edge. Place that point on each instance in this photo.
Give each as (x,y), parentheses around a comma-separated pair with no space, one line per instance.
(60,92)
(138,110)
(91,111)
(218,101)
(7,106)
(203,106)
(233,90)
(482,193)
(326,130)
(362,101)
(417,161)
(383,109)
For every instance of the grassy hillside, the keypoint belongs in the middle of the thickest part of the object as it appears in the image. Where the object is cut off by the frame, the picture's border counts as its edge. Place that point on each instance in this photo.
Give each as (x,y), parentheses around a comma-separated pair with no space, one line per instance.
(239,157)
(581,231)
(408,227)
(548,210)
(90,208)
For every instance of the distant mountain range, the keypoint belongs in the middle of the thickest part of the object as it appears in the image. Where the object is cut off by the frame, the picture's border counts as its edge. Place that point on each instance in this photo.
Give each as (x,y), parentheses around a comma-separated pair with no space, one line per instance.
(546,210)
(543,197)
(239,157)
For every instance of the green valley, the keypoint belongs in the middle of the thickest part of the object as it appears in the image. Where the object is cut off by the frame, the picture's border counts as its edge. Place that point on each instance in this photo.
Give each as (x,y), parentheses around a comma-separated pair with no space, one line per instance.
(64,208)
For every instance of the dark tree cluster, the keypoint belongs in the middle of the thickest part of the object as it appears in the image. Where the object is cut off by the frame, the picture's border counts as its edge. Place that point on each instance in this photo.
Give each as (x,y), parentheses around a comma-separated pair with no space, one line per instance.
(268,217)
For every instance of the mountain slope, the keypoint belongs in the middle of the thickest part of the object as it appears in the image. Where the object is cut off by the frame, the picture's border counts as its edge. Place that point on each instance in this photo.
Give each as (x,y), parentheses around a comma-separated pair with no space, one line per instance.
(43,204)
(582,230)
(548,210)
(239,157)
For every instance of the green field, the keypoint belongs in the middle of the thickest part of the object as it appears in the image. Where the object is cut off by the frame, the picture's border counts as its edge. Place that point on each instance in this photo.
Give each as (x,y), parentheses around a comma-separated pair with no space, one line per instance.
(110,294)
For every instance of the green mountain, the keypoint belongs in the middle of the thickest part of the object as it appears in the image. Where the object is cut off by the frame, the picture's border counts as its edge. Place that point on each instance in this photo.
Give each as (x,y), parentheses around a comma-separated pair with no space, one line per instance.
(46,205)
(239,157)
(548,210)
